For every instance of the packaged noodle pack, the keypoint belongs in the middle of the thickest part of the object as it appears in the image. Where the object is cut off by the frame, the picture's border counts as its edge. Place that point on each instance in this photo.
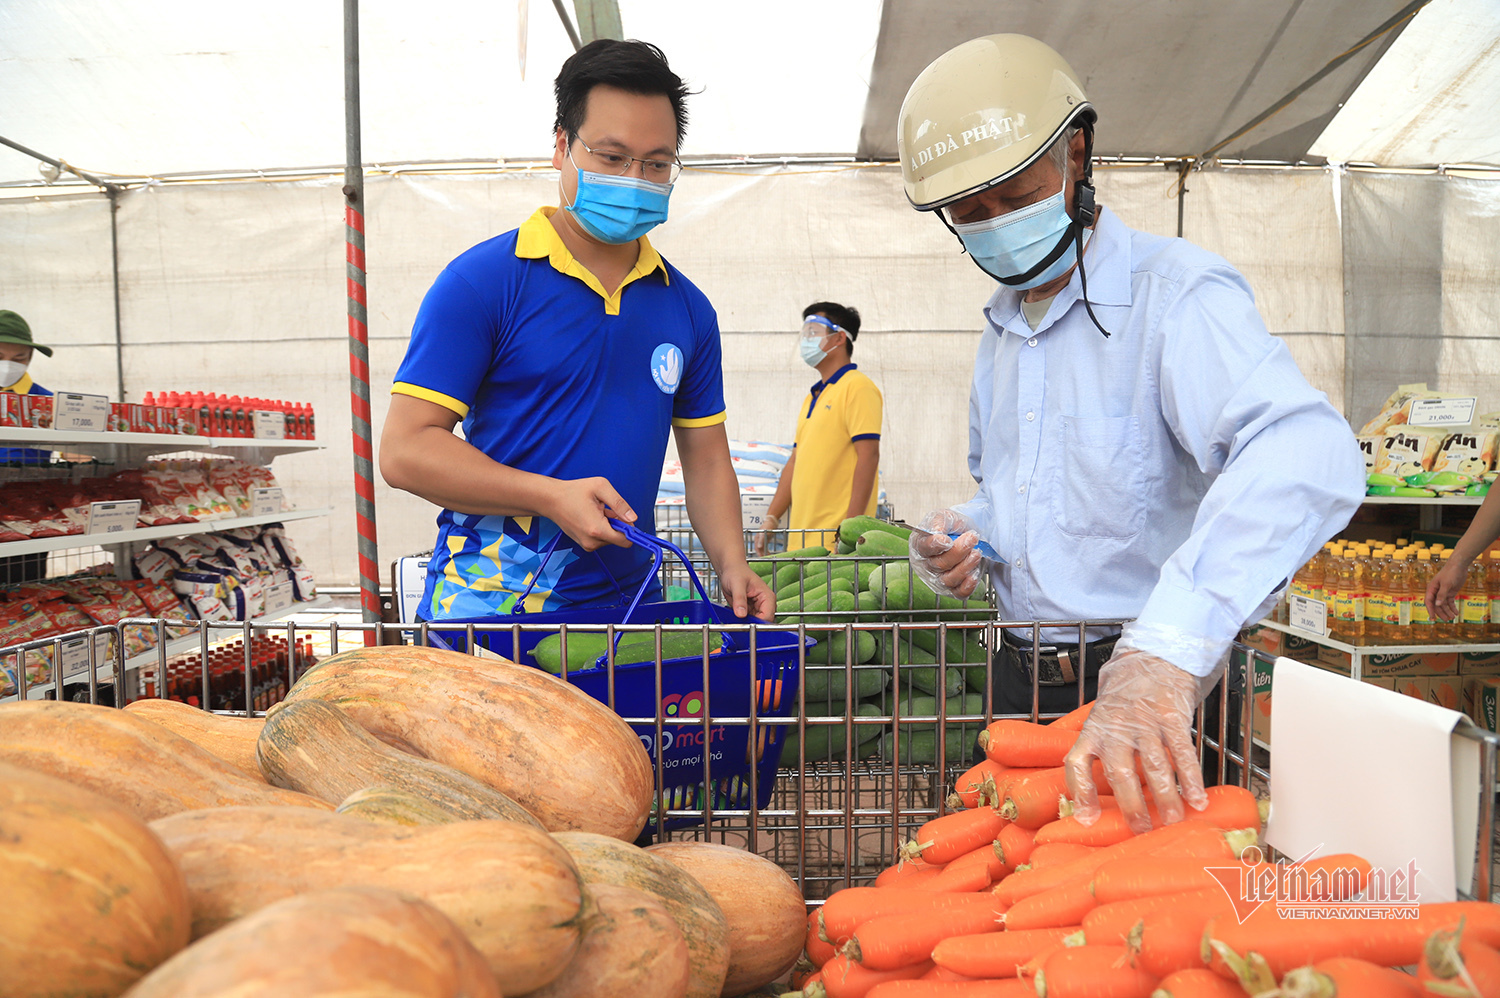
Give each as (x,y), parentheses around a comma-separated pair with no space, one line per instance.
(1468,451)
(1409,450)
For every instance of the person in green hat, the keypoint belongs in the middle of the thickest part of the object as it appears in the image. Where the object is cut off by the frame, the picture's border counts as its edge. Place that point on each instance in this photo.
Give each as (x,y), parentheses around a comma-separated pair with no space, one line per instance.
(16,347)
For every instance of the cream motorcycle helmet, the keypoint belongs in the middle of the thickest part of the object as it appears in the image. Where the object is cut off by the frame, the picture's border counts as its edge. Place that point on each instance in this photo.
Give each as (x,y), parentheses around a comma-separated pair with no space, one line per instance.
(983,112)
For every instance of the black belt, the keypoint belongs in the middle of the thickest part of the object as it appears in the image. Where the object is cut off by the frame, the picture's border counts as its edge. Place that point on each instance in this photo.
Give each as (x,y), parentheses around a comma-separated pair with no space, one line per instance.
(1057,665)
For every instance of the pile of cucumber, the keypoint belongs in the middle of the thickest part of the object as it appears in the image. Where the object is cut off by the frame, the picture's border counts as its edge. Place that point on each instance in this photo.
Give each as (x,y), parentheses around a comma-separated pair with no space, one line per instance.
(873,672)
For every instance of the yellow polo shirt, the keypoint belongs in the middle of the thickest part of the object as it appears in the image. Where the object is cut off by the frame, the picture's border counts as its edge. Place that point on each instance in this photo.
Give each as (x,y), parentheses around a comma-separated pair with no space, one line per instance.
(837,412)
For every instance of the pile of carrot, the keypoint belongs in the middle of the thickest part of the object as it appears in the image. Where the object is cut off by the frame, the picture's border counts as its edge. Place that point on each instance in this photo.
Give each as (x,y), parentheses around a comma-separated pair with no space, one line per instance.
(1009,896)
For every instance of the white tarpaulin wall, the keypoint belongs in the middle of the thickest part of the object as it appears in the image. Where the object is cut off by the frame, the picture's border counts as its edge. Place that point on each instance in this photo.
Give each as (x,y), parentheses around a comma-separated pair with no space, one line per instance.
(239,288)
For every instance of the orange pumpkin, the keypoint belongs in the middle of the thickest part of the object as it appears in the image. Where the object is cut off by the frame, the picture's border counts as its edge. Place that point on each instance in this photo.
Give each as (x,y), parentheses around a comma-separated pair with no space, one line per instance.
(631,946)
(230,738)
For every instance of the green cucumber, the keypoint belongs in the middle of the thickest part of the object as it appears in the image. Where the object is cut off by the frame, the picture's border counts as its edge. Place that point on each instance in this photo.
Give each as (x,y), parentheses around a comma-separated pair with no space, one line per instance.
(827,742)
(819,683)
(772,562)
(585,648)
(817,605)
(879,544)
(819,575)
(835,650)
(855,527)
(845,548)
(821,586)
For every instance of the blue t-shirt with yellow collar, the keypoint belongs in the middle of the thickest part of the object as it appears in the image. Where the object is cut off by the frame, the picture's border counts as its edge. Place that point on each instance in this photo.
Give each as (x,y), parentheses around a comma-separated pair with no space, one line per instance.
(552,375)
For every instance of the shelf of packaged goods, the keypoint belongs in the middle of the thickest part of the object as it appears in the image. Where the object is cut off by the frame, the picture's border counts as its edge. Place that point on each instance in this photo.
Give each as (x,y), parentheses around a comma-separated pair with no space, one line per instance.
(35,545)
(28,436)
(1428,649)
(175,646)
(1423,500)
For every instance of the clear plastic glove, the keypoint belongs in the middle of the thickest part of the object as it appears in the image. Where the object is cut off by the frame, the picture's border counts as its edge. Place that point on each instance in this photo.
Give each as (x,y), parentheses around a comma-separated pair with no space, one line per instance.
(1145,708)
(949,565)
(769,523)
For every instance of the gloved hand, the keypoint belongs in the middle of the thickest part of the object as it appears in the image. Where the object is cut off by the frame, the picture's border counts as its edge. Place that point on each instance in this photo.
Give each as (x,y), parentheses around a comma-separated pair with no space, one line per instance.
(1145,706)
(769,523)
(949,565)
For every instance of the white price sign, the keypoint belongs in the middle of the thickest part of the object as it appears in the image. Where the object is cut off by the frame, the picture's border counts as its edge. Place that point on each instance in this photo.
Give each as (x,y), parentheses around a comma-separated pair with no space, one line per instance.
(113,517)
(754,510)
(265,502)
(80,412)
(279,597)
(269,425)
(411,580)
(75,655)
(1308,615)
(1442,412)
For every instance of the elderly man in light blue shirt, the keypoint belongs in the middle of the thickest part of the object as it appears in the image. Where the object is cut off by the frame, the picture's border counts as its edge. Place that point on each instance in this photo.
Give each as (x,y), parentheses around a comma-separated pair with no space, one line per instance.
(1143,447)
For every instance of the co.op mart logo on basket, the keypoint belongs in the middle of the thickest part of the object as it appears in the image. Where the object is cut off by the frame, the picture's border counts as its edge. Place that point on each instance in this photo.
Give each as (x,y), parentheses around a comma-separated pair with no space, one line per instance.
(678,708)
(1333,887)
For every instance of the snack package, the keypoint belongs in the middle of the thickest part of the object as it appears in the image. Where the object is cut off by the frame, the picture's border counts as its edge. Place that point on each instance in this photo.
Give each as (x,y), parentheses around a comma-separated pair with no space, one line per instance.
(1371,446)
(155,565)
(1409,451)
(1395,408)
(1467,452)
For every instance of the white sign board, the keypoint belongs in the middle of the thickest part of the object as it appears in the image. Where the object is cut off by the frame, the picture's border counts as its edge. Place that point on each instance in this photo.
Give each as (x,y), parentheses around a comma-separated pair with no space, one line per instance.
(279,597)
(113,517)
(1308,615)
(754,510)
(269,425)
(411,580)
(265,502)
(80,412)
(1442,412)
(75,655)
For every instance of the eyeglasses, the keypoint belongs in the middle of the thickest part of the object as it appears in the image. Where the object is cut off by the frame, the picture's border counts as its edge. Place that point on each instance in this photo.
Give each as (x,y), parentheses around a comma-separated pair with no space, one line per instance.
(658,171)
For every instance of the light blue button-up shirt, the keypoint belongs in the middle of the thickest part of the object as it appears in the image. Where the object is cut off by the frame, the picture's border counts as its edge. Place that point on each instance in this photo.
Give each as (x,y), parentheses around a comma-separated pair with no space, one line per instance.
(1178,471)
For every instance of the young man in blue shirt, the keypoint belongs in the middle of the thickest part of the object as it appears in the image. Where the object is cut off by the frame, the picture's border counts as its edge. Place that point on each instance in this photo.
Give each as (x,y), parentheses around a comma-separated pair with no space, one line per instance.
(1143,447)
(570,349)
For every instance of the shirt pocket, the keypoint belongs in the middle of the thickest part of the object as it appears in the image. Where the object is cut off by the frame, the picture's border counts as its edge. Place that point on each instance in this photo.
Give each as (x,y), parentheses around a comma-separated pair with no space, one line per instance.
(1101,486)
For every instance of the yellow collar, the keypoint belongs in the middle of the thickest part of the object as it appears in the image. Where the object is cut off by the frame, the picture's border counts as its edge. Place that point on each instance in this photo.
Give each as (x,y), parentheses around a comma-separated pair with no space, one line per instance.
(537,239)
(22,387)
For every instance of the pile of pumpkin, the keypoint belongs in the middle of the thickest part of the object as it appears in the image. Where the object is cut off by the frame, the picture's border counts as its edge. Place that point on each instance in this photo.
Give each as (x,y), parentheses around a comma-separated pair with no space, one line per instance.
(1011,896)
(408,822)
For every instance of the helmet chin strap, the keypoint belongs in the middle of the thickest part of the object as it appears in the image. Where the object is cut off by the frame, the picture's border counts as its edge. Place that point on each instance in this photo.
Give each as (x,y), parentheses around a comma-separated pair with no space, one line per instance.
(1085,213)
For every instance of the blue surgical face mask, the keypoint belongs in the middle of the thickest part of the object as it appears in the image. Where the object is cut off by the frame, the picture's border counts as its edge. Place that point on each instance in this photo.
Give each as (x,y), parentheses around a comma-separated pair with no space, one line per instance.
(1009,245)
(815,329)
(808,348)
(618,210)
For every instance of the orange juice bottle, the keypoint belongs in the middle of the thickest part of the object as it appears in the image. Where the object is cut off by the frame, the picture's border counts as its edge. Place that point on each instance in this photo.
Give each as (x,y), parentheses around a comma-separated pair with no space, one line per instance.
(1421,622)
(1473,604)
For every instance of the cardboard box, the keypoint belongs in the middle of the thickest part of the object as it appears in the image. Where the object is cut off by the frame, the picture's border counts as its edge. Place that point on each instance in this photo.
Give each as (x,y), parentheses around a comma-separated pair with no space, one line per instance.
(1479,663)
(1482,700)
(1444,663)
(1274,642)
(1445,691)
(1260,710)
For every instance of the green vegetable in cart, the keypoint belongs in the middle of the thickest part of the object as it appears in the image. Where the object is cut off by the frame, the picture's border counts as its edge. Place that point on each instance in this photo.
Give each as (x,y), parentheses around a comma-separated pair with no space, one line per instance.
(822,584)
(835,650)
(816,605)
(822,682)
(828,742)
(585,648)
(769,564)
(845,548)
(815,576)
(910,592)
(919,740)
(879,544)
(855,527)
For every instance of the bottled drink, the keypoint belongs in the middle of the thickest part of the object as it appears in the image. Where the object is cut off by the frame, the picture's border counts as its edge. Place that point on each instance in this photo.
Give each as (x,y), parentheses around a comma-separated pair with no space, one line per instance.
(1492,580)
(1343,626)
(1377,597)
(1315,572)
(1443,631)
(1361,580)
(1474,604)
(1421,621)
(1398,609)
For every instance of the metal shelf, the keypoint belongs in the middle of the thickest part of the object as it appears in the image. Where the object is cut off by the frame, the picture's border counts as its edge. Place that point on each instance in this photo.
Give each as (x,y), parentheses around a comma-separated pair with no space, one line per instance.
(176,646)
(1375,649)
(23,436)
(35,545)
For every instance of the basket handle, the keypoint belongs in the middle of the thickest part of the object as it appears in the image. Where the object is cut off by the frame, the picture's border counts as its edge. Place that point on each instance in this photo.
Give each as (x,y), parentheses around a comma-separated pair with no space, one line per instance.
(657,546)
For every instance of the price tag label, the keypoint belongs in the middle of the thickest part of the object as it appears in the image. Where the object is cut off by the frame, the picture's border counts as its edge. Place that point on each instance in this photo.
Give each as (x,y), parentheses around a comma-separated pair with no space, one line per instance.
(113,517)
(1442,412)
(75,655)
(279,597)
(89,413)
(265,502)
(269,425)
(411,580)
(754,510)
(1308,615)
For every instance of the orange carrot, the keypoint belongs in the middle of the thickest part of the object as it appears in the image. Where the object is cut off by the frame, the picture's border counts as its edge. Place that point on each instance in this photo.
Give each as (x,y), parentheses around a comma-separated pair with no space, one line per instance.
(1021,743)
(1144,876)
(1065,905)
(1028,970)
(1012,774)
(813,985)
(923,988)
(818,952)
(907,873)
(977,785)
(1449,960)
(890,941)
(802,973)
(949,837)
(1201,838)
(1055,853)
(1343,978)
(1032,801)
(1074,719)
(1172,940)
(1110,924)
(851,907)
(1106,831)
(1288,943)
(941,973)
(988,856)
(1196,984)
(995,954)
(843,978)
(965,879)
(1093,972)
(1228,808)
(1015,845)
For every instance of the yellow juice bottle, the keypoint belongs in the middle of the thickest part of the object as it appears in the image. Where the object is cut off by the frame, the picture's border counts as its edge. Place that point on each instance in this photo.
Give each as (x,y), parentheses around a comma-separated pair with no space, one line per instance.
(1492,578)
(1398,611)
(1361,578)
(1341,602)
(1421,622)
(1474,604)
(1377,596)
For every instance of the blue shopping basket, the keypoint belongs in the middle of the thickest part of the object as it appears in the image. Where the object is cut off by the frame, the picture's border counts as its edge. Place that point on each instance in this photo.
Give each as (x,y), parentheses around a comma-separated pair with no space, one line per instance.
(734,688)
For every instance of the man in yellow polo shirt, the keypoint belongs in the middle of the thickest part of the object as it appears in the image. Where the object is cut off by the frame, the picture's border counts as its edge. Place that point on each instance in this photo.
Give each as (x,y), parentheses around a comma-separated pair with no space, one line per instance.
(831,474)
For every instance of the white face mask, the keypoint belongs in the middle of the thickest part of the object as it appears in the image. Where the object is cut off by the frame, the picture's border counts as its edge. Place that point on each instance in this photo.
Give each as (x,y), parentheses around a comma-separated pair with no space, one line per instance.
(11,371)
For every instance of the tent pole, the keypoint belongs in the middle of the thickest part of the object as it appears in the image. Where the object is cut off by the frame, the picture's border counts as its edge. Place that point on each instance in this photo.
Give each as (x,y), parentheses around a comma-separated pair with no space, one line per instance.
(359,342)
(1182,173)
(114,254)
